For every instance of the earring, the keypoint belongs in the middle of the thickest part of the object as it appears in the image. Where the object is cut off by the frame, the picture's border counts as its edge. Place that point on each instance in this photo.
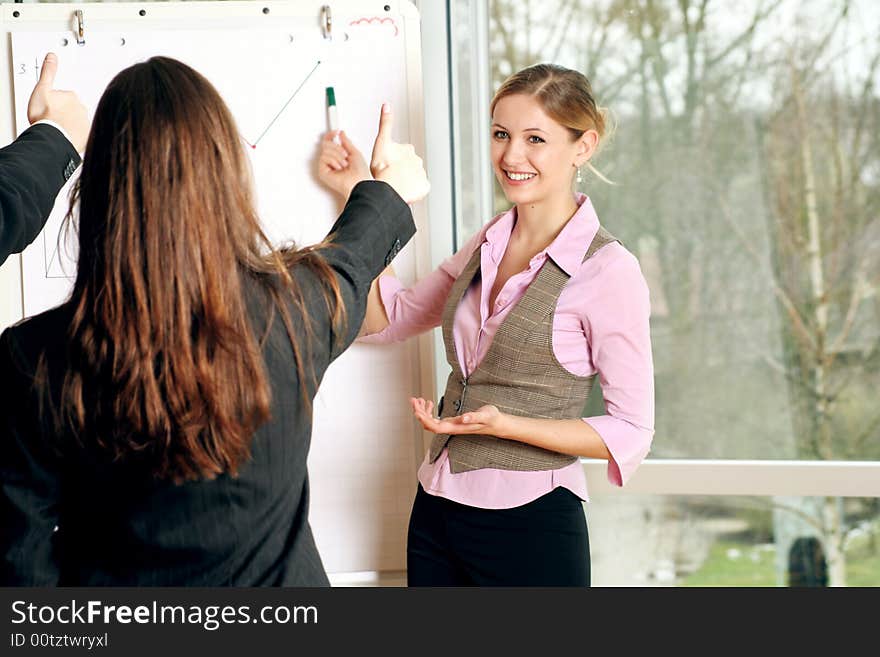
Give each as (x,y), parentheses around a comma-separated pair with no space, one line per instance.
(579,179)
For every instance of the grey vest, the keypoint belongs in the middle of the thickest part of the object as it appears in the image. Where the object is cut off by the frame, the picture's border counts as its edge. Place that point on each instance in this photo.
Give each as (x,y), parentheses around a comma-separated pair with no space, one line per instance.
(519,374)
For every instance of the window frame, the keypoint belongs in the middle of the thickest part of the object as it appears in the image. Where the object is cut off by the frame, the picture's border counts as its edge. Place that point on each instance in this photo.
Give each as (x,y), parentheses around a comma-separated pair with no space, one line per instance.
(654,476)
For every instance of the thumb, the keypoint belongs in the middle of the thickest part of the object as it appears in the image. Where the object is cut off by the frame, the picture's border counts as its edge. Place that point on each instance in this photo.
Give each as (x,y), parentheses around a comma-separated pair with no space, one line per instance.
(347,144)
(478,416)
(482,415)
(384,135)
(50,68)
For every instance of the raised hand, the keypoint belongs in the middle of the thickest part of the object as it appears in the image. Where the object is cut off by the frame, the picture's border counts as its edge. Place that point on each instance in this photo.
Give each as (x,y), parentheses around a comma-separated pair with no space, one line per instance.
(62,107)
(341,166)
(397,164)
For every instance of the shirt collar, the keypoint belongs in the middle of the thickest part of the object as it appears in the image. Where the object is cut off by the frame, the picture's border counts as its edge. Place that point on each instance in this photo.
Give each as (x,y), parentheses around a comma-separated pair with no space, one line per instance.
(498,234)
(569,247)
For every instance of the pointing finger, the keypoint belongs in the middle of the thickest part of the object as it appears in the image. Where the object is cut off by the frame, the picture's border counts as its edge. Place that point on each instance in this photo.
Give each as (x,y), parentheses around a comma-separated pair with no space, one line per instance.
(49,69)
(385,119)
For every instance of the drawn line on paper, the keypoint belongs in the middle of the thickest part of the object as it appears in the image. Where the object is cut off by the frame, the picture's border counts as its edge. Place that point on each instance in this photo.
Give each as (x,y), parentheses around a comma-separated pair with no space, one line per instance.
(281,111)
(50,260)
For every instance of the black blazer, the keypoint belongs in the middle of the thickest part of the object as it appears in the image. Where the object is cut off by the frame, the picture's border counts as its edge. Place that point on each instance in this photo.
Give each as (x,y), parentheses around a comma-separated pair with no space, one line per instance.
(33,169)
(116,525)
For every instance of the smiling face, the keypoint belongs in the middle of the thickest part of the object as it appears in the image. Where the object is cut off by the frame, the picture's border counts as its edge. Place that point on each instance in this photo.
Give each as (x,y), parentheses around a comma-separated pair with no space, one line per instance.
(534,156)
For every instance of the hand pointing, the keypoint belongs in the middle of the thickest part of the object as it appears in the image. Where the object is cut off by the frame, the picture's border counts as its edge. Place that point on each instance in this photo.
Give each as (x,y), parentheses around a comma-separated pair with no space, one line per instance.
(62,107)
(397,164)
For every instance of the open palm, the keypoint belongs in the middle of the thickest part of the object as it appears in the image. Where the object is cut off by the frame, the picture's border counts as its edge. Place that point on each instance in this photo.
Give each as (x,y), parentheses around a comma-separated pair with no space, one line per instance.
(482,420)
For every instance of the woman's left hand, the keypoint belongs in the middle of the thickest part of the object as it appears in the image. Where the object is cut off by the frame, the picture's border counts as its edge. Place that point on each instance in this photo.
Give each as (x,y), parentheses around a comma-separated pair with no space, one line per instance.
(341,166)
(486,419)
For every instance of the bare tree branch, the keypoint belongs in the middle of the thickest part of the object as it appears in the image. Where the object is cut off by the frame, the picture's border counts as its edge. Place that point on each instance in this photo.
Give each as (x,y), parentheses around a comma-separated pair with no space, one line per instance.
(559,31)
(797,322)
(592,53)
(764,503)
(501,29)
(748,33)
(658,64)
(866,96)
(855,299)
(857,444)
(811,69)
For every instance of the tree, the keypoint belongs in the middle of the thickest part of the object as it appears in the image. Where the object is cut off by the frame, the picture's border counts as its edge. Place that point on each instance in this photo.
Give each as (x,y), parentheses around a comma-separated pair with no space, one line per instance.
(748,152)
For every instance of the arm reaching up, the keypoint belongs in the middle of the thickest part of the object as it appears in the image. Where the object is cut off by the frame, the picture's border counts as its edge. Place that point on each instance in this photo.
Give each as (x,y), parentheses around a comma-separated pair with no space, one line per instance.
(34,167)
(341,166)
(398,164)
(61,107)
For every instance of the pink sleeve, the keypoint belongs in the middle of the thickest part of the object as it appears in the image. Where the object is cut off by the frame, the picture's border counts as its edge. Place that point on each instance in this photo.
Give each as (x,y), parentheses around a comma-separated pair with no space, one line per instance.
(419,308)
(620,344)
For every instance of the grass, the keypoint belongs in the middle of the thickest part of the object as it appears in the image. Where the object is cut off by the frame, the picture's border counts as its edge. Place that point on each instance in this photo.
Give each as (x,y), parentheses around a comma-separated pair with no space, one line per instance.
(862,563)
(753,567)
(756,566)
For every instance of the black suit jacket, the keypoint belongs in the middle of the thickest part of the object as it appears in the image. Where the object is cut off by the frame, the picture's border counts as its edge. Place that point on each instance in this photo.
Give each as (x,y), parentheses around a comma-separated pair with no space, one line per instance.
(33,169)
(119,526)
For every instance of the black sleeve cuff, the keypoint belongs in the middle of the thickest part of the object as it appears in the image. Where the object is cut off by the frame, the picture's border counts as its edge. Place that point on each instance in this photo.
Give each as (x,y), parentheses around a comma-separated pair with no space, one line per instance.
(33,169)
(376,223)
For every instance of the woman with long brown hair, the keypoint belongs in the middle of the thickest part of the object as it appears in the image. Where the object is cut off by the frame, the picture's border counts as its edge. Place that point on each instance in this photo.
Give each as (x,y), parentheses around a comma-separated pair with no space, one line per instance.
(156,426)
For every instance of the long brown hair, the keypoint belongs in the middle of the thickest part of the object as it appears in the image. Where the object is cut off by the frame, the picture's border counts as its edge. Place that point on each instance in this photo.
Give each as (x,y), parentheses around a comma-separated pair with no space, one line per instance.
(163,361)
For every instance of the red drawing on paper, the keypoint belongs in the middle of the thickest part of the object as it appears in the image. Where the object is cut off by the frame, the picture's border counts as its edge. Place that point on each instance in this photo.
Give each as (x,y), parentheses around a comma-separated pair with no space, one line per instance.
(376,20)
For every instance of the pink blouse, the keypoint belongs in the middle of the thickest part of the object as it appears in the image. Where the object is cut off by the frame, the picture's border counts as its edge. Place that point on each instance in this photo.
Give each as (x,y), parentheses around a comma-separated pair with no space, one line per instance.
(600,325)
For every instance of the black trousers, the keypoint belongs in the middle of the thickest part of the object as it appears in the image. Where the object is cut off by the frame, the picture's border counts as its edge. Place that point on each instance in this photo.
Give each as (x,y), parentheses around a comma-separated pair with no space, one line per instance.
(542,543)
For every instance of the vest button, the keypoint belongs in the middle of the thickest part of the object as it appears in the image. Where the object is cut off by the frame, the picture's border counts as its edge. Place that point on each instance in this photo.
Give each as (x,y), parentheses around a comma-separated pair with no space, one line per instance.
(457,405)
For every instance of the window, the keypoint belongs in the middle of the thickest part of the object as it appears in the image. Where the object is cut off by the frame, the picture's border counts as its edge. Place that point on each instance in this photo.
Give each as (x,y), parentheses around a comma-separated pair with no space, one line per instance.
(747,169)
(733,541)
(746,163)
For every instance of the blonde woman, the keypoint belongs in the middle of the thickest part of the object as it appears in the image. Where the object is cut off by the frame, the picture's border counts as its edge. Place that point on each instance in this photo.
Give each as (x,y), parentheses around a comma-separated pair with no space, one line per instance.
(535,307)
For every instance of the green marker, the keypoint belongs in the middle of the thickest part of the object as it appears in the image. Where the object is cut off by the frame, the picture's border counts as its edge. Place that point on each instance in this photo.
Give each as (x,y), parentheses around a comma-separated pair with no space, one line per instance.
(332,112)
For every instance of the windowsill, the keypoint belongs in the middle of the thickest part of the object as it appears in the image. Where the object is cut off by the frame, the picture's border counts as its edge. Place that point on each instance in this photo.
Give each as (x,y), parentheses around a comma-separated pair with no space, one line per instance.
(739,477)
